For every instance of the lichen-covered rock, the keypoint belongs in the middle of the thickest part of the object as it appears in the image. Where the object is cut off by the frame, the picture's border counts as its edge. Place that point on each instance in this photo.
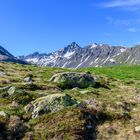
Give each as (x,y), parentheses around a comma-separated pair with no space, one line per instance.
(49,103)
(12,90)
(19,95)
(28,79)
(73,79)
(2,73)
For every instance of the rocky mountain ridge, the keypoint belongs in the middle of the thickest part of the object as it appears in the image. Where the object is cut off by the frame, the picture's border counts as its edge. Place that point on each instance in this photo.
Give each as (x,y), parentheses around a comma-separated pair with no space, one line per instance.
(74,56)
(8,57)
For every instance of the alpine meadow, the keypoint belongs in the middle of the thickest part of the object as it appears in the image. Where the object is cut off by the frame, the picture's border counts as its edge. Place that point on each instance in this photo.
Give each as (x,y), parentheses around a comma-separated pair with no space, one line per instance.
(70,70)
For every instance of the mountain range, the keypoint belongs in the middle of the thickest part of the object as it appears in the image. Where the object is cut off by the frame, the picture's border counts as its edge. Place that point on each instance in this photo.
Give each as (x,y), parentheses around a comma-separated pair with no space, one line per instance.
(74,56)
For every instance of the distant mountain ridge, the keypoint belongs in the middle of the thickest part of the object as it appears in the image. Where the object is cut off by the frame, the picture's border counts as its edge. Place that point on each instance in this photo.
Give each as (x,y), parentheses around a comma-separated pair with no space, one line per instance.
(5,56)
(74,56)
(130,56)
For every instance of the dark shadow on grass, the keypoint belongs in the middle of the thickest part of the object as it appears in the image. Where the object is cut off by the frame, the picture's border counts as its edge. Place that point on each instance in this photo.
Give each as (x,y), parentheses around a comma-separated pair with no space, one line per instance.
(99,85)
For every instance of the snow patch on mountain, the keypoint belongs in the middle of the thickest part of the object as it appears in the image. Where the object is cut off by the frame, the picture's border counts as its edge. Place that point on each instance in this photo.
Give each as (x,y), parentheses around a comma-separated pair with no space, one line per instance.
(123,50)
(74,56)
(112,60)
(94,46)
(69,54)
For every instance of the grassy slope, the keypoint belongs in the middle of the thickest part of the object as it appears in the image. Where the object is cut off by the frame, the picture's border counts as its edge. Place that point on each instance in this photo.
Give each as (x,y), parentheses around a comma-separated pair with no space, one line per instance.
(115,109)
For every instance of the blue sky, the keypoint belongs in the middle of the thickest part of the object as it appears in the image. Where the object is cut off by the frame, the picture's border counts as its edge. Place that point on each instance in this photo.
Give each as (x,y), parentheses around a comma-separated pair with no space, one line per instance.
(48,25)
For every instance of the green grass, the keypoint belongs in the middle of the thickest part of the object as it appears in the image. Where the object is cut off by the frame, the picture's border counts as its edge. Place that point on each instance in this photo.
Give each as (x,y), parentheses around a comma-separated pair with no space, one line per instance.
(118,72)
(122,92)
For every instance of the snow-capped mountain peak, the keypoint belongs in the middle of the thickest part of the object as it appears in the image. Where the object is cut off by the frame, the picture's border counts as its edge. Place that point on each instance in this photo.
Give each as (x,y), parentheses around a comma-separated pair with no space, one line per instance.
(75,56)
(94,45)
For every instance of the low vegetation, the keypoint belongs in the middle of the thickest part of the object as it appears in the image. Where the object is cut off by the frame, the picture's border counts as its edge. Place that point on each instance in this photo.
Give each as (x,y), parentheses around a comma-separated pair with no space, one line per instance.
(33,107)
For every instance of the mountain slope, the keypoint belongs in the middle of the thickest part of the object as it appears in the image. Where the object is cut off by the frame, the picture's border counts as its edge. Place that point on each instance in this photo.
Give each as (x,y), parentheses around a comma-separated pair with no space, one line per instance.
(131,56)
(5,56)
(74,56)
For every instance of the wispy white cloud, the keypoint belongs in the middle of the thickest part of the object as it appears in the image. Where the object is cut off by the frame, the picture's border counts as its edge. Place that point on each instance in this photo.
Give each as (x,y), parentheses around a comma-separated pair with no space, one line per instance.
(132,30)
(127,24)
(125,4)
(123,22)
(119,22)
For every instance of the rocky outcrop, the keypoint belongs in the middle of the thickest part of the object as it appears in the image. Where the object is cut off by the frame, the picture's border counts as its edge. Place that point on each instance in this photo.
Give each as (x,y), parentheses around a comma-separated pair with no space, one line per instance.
(73,79)
(49,103)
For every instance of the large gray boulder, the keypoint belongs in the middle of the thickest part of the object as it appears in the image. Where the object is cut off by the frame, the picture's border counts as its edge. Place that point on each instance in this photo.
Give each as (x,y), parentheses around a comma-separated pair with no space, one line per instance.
(49,103)
(73,79)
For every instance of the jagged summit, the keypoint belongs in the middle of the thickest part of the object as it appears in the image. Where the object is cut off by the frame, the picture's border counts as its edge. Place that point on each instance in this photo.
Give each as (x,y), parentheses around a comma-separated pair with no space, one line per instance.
(36,53)
(73,45)
(75,56)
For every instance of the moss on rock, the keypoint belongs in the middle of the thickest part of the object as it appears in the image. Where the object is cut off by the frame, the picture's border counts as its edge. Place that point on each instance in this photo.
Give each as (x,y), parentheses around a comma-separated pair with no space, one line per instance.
(73,79)
(49,103)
